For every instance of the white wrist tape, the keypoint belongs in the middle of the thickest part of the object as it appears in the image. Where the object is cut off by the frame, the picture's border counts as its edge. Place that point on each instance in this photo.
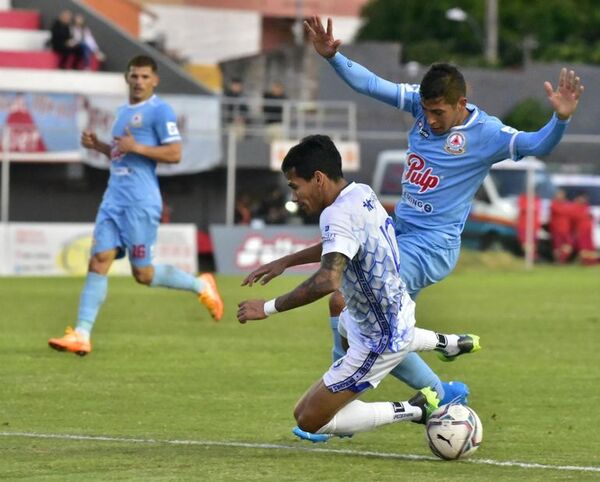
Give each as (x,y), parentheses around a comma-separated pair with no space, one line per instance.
(269,307)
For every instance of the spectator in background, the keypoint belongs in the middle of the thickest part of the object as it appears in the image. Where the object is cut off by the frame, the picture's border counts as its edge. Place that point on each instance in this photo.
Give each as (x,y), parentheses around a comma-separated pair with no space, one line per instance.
(582,226)
(524,209)
(70,52)
(273,110)
(272,208)
(83,37)
(560,227)
(235,109)
(243,210)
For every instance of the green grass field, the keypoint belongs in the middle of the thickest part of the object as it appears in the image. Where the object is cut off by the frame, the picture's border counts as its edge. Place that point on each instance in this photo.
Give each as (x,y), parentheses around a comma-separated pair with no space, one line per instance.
(167,394)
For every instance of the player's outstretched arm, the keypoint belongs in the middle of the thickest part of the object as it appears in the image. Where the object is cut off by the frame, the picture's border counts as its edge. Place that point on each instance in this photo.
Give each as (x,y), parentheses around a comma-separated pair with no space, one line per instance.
(89,140)
(565,98)
(325,281)
(323,40)
(564,101)
(268,271)
(355,75)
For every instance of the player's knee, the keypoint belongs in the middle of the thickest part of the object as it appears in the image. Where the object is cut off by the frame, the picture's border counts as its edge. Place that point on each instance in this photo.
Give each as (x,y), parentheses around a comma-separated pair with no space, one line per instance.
(336,304)
(307,421)
(143,276)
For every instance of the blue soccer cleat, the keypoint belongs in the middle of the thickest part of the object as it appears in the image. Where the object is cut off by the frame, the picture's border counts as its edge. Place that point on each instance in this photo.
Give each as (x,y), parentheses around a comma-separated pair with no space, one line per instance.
(315,437)
(455,392)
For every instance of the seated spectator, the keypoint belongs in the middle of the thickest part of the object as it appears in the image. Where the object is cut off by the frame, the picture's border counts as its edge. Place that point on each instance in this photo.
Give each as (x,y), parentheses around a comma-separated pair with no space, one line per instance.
(583,225)
(272,208)
(560,227)
(82,35)
(235,110)
(69,52)
(273,110)
(243,210)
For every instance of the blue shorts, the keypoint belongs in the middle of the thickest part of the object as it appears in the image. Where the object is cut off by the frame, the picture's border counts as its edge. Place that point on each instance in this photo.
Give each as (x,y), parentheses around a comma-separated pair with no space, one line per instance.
(131,229)
(422,263)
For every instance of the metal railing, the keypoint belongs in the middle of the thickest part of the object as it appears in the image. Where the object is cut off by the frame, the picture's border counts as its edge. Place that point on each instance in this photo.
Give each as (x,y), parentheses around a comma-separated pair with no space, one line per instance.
(256,117)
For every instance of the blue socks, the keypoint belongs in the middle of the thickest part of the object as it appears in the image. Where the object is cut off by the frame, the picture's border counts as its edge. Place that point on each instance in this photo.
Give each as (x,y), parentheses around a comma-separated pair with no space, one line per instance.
(169,276)
(416,374)
(92,297)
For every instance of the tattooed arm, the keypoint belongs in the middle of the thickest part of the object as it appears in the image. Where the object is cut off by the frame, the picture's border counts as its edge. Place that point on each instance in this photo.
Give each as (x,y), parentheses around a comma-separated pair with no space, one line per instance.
(326,280)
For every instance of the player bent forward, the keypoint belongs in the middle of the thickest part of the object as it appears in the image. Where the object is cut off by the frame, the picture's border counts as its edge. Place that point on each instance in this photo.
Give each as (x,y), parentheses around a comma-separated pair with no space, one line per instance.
(360,257)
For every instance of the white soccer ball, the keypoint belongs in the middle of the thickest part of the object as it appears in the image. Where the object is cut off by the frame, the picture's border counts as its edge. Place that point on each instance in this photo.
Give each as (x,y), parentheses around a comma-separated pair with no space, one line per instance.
(454,432)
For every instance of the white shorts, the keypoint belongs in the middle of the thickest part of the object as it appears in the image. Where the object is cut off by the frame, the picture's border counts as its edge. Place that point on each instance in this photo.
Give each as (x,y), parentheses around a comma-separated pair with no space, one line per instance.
(361,368)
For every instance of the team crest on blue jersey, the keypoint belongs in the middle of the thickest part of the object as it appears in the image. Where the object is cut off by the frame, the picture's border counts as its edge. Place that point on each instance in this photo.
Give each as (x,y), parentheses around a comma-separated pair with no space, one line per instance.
(455,143)
(136,120)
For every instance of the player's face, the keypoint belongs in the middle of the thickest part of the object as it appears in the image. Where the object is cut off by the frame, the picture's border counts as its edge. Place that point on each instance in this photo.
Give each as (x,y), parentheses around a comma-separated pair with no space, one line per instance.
(142,81)
(442,116)
(306,194)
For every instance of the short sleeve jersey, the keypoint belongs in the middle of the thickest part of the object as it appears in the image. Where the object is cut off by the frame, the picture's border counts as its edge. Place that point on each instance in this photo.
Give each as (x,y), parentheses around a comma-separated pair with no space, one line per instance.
(443,172)
(357,226)
(132,176)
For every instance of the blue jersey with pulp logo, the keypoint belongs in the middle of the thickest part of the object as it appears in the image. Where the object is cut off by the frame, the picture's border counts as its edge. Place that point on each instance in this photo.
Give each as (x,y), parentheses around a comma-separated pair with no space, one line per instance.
(443,172)
(132,176)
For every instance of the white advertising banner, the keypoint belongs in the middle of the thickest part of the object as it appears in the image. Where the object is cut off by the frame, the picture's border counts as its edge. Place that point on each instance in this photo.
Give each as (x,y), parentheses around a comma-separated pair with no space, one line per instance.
(50,249)
(47,128)
(198,119)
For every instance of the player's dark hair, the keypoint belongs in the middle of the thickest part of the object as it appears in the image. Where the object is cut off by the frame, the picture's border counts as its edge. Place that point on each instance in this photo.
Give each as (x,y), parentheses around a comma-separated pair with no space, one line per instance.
(142,61)
(314,153)
(445,81)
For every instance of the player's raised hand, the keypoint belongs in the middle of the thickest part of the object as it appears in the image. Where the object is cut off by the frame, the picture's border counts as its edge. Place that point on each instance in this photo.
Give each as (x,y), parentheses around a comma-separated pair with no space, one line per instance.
(251,310)
(89,140)
(565,98)
(126,143)
(265,273)
(324,42)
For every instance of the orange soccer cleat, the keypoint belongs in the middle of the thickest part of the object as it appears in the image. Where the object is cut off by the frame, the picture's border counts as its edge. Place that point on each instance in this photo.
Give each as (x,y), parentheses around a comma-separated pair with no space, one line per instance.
(72,341)
(210,296)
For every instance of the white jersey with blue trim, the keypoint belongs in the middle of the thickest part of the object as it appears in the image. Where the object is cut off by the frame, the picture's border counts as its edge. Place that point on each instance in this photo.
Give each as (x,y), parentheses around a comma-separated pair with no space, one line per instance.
(132,176)
(357,226)
(443,172)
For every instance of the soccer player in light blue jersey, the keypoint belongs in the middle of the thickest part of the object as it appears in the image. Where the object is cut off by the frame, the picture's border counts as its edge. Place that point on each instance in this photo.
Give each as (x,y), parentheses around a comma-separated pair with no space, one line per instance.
(144,133)
(451,147)
(359,256)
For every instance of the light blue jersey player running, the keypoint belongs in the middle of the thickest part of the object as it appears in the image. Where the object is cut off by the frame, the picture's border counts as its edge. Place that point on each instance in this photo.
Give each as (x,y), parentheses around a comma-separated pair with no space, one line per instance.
(144,133)
(452,146)
(359,256)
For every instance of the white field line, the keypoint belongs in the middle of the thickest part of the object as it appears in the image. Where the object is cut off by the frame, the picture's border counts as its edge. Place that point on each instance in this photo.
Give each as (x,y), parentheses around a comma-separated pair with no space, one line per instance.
(298,448)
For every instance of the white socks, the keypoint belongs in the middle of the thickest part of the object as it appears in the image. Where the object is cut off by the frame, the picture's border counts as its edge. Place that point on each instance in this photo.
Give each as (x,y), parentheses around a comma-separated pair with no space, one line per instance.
(359,416)
(427,340)
(424,340)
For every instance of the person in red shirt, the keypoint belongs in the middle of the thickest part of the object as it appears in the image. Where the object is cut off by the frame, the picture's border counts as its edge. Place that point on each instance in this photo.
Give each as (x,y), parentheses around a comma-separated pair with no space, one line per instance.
(561,211)
(522,221)
(582,225)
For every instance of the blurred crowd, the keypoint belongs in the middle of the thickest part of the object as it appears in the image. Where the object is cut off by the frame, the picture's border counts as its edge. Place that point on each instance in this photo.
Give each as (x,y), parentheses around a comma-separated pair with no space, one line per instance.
(246,112)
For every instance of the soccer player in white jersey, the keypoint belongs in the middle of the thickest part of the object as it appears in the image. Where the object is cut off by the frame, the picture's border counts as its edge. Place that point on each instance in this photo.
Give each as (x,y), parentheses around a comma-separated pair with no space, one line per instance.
(358,256)
(452,145)
(144,133)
